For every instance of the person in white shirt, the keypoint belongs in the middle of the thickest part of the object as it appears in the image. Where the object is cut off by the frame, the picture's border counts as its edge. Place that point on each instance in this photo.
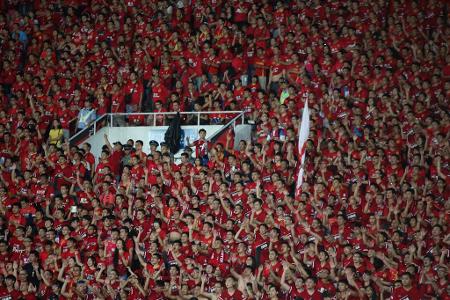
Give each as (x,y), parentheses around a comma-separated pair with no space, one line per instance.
(86,115)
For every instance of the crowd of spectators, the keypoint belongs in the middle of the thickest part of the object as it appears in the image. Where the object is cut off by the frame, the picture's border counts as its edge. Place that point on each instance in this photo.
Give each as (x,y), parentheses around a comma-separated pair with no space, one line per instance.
(370,221)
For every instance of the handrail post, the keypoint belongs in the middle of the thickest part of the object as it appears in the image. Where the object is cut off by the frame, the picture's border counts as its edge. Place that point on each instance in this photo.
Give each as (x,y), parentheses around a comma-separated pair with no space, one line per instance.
(198,121)
(243,118)
(95,127)
(111,118)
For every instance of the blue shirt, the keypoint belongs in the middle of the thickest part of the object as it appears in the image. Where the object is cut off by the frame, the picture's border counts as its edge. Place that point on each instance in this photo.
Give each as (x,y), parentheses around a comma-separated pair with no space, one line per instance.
(86,117)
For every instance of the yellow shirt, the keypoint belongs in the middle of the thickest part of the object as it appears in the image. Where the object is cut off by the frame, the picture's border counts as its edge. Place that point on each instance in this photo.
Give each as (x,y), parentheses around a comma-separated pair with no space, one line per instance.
(55,136)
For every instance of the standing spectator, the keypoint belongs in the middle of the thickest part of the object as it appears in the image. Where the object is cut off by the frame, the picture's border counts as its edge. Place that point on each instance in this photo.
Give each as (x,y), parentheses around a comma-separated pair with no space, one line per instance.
(201,146)
(86,116)
(56,134)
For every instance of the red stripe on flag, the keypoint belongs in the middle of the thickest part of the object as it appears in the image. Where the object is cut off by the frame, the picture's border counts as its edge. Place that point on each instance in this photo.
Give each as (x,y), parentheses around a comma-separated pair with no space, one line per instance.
(303,135)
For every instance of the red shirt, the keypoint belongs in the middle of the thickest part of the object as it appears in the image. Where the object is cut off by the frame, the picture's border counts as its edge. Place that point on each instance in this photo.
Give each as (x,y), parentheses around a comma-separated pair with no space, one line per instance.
(5,294)
(236,295)
(117,103)
(160,93)
(42,191)
(315,296)
(135,90)
(402,294)
(277,68)
(156,296)
(115,161)
(62,171)
(260,64)
(201,148)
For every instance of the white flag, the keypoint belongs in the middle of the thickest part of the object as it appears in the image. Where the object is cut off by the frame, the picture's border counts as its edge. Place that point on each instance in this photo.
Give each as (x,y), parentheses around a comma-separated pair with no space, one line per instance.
(303,134)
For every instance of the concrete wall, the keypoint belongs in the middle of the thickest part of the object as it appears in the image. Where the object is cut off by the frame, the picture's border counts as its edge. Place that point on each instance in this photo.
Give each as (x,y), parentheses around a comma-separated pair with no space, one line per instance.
(242,132)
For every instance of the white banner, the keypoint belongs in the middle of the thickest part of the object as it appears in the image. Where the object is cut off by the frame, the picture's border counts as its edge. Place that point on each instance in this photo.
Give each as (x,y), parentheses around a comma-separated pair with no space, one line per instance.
(303,134)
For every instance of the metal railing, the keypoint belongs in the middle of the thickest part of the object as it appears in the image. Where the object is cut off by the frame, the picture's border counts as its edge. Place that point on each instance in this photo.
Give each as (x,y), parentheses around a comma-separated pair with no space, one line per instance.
(156,119)
(232,122)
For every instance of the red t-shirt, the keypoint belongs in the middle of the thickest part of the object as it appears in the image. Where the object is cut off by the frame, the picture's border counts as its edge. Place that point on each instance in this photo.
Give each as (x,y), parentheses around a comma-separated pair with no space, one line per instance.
(315,296)
(117,103)
(5,294)
(135,90)
(201,148)
(402,294)
(236,295)
(160,93)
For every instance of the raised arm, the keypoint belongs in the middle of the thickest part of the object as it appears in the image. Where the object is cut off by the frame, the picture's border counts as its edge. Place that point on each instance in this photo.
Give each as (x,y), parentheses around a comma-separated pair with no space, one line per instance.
(107,143)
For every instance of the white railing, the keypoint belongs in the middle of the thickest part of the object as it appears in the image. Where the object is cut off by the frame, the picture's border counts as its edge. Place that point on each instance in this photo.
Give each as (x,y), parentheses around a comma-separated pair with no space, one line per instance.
(110,119)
